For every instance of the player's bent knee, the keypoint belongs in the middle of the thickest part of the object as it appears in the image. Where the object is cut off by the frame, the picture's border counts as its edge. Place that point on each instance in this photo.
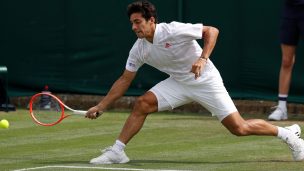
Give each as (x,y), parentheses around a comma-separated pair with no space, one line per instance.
(140,102)
(144,105)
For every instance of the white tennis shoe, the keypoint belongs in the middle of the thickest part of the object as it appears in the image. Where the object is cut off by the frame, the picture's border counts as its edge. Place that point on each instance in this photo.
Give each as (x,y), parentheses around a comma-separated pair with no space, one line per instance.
(278,114)
(295,128)
(110,156)
(295,143)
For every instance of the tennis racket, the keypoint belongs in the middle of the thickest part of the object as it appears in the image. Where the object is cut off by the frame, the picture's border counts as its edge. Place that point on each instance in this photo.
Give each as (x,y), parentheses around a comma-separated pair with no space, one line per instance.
(47,110)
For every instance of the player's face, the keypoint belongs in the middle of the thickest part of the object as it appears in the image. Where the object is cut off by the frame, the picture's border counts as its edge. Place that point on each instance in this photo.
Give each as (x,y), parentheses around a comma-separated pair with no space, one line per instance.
(141,27)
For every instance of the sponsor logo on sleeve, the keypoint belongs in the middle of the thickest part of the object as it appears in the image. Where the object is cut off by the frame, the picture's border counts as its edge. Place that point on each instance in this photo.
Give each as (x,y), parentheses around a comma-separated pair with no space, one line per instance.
(131,65)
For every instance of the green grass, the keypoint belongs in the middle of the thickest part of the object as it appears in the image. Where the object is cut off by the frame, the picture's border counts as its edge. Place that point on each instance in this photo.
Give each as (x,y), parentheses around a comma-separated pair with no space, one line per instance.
(167,141)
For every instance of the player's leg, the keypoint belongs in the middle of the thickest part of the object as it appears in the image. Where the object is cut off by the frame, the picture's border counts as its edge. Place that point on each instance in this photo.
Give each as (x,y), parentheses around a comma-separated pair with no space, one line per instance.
(144,105)
(115,154)
(220,104)
(166,95)
(163,96)
(290,135)
(240,127)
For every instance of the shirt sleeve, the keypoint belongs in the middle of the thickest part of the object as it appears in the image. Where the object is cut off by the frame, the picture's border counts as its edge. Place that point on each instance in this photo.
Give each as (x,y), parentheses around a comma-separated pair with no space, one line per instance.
(134,62)
(186,31)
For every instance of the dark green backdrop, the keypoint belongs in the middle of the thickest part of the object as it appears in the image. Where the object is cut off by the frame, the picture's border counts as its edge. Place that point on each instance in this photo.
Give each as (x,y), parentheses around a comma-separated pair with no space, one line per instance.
(80,46)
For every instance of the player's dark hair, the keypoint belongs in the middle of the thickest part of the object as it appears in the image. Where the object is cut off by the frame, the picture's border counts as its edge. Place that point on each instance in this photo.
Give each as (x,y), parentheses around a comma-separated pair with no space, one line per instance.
(146,8)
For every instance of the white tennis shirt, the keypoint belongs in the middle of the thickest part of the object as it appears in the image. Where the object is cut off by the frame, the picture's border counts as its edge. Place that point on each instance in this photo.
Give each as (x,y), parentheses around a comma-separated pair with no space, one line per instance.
(173,51)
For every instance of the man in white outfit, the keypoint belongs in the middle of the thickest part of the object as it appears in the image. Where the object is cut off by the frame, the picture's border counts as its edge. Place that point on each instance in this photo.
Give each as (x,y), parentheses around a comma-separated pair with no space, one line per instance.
(172,48)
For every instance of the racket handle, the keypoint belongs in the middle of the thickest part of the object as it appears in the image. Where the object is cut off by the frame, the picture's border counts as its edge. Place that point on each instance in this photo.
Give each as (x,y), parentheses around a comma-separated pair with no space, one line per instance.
(80,112)
(83,112)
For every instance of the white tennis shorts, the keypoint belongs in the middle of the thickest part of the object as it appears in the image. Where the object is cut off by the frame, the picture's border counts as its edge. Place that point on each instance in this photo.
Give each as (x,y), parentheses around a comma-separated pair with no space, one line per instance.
(211,95)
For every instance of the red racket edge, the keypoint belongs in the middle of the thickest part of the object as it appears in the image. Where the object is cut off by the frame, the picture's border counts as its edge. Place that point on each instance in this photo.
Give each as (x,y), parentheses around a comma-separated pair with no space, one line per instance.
(41,123)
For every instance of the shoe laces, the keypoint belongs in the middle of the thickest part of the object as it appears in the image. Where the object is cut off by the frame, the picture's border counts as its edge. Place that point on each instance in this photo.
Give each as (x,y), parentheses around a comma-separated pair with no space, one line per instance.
(106,149)
(296,132)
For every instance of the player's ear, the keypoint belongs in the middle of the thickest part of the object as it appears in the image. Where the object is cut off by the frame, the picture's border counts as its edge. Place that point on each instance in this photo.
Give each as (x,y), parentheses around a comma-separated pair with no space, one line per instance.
(152,19)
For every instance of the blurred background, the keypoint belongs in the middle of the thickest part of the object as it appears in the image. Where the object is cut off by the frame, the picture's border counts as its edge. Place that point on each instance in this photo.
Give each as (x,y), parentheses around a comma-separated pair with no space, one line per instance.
(81,46)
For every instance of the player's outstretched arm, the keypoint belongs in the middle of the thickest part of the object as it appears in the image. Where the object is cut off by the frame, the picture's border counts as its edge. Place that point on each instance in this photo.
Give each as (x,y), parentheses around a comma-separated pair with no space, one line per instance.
(117,90)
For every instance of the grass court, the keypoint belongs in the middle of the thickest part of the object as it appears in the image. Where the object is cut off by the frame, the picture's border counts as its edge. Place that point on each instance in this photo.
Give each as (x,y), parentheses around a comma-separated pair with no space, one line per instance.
(168,141)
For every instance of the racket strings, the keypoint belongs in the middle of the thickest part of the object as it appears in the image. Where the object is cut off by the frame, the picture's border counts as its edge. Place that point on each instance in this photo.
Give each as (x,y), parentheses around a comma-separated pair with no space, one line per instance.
(46,109)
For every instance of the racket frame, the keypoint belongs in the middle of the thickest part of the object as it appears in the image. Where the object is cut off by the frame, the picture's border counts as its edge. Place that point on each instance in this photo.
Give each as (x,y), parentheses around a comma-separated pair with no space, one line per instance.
(62,106)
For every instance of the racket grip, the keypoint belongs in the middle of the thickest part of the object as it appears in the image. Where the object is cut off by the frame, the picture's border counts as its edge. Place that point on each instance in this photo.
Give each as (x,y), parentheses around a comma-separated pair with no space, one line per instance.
(83,112)
(80,112)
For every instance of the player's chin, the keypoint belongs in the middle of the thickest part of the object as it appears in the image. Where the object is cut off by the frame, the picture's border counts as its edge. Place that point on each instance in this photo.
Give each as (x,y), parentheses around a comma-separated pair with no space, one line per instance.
(139,35)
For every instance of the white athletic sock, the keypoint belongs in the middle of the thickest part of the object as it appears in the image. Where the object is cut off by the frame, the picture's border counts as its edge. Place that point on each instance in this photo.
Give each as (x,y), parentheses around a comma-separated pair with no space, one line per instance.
(283,133)
(282,103)
(119,146)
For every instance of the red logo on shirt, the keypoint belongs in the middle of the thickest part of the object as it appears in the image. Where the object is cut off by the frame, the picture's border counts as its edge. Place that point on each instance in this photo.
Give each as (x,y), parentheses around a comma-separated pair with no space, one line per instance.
(167,45)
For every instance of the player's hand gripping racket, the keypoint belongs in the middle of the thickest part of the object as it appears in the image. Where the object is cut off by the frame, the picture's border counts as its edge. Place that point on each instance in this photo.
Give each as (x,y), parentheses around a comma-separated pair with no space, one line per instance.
(46,109)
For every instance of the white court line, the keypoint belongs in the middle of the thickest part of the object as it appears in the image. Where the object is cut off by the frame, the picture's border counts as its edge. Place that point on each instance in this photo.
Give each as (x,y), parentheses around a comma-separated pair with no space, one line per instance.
(97,168)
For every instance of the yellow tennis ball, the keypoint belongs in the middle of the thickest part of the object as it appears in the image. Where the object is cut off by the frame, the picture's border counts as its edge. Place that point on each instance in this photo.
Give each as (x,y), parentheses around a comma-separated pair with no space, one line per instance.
(4,123)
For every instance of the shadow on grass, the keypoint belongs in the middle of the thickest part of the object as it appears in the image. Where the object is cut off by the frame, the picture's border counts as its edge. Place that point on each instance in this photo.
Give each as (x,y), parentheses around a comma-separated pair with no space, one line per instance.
(61,162)
(139,162)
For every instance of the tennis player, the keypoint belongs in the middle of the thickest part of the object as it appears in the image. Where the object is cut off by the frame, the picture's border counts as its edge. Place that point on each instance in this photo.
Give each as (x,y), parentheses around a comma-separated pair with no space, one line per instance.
(172,48)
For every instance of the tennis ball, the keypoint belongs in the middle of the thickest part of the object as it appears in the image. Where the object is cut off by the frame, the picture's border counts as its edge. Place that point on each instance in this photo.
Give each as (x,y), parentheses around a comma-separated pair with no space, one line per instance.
(4,123)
